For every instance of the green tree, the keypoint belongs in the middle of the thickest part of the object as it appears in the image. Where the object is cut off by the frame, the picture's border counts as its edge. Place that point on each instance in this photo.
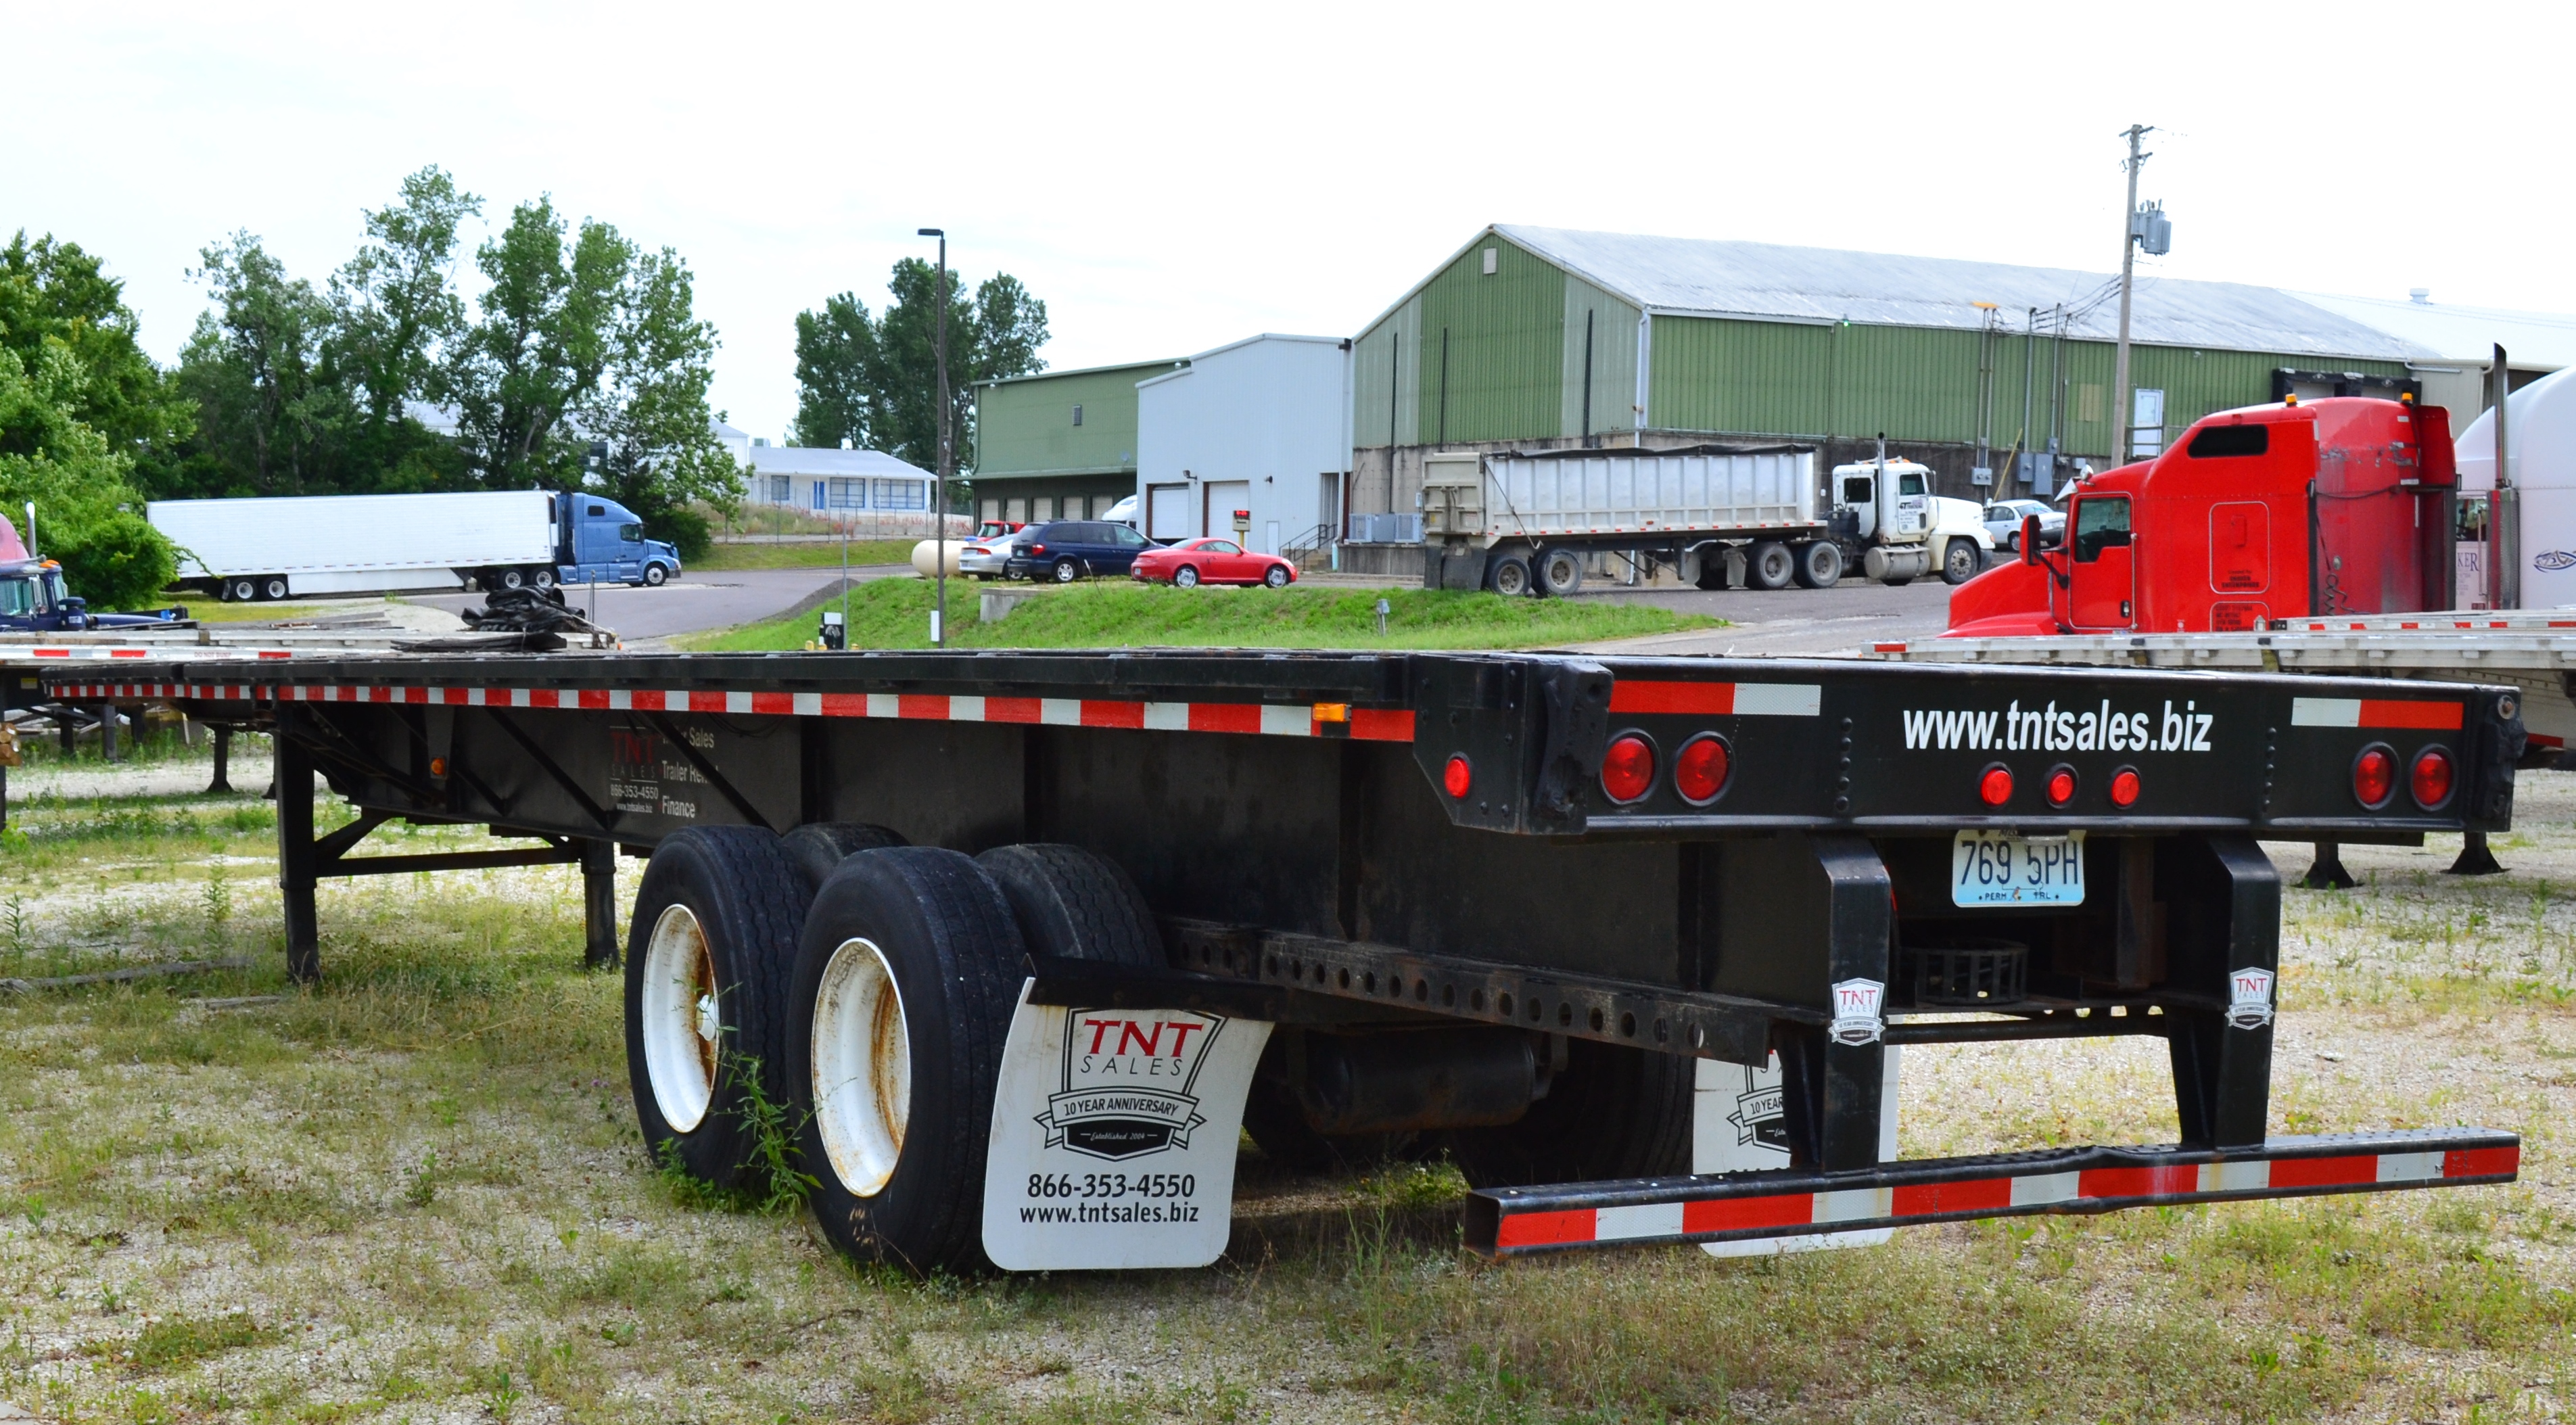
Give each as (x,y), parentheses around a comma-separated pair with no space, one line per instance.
(836,360)
(394,314)
(651,409)
(544,340)
(87,514)
(270,419)
(54,293)
(877,382)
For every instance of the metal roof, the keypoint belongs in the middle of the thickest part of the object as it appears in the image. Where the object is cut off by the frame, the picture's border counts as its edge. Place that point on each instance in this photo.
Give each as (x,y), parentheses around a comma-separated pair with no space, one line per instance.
(823,460)
(2542,340)
(1769,282)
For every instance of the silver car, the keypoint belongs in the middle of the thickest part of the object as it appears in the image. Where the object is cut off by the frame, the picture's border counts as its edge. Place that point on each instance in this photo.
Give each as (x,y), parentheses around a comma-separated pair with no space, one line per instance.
(984,557)
(2004,517)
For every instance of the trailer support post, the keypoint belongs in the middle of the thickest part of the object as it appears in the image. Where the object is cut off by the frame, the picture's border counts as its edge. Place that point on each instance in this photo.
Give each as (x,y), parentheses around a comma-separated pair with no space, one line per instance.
(298,859)
(107,732)
(223,781)
(2223,899)
(2475,859)
(599,904)
(2326,872)
(1810,918)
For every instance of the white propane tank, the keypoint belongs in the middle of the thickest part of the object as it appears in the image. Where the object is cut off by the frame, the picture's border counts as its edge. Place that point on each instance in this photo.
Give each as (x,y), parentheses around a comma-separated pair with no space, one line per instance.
(2541,444)
(925,557)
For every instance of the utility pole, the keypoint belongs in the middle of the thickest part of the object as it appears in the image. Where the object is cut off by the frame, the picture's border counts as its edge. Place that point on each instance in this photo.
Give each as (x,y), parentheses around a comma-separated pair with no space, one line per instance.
(939,513)
(2128,262)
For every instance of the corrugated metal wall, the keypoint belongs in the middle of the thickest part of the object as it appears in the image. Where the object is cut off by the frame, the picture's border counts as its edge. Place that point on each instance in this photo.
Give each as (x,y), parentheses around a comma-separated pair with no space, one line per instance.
(1026,427)
(1608,327)
(1492,349)
(1387,380)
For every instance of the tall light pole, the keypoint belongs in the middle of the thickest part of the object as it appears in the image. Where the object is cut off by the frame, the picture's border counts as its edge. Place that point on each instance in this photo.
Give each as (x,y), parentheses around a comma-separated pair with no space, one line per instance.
(2128,260)
(939,515)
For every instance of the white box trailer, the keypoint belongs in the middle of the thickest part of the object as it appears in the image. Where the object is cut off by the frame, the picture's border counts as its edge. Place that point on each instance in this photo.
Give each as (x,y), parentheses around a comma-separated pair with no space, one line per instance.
(351,544)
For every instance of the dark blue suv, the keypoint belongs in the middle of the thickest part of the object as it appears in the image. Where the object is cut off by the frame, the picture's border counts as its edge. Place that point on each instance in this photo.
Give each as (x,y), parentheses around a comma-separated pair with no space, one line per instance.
(1066,550)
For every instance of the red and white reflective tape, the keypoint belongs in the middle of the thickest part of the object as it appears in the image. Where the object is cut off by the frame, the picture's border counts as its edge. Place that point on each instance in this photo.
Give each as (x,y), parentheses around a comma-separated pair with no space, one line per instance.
(50,652)
(2374,712)
(1271,719)
(2093,1189)
(1717,699)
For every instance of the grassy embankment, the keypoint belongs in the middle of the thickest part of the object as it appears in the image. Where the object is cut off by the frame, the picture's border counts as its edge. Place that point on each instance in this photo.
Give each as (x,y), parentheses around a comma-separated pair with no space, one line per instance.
(822,554)
(895,613)
(415,1191)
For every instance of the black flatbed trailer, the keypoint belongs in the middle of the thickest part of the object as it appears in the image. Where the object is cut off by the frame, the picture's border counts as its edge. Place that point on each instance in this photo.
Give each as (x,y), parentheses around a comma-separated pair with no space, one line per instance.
(1503,899)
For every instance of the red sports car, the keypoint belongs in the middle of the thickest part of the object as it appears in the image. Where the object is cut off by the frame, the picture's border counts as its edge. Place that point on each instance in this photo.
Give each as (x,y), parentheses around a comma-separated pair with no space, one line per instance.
(1212,561)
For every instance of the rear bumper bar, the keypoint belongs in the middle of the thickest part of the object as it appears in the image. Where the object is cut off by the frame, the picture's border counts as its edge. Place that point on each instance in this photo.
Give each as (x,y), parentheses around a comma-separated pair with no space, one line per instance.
(1512,1222)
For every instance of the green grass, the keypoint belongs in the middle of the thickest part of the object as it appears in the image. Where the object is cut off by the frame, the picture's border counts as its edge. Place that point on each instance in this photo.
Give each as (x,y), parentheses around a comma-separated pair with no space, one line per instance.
(895,613)
(822,554)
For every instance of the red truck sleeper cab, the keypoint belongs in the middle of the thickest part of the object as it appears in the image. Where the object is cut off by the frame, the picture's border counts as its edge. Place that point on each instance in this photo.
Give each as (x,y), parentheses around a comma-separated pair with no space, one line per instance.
(2335,506)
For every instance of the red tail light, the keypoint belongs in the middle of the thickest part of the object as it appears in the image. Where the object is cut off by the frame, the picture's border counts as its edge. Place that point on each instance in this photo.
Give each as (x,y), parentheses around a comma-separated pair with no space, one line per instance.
(1037,549)
(2124,787)
(2431,781)
(1628,767)
(2374,776)
(1457,777)
(1994,788)
(1699,773)
(2061,786)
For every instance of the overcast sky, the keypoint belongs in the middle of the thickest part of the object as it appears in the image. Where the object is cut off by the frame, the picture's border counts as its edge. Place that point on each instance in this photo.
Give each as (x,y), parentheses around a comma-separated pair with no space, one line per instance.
(1171,178)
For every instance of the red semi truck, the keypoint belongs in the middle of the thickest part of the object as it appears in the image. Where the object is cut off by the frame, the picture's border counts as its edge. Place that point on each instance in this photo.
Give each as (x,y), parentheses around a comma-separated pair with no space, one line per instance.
(2338,506)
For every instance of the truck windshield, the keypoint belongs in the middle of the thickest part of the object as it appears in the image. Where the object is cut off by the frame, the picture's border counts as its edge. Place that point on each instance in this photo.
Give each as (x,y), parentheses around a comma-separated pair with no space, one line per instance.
(631,533)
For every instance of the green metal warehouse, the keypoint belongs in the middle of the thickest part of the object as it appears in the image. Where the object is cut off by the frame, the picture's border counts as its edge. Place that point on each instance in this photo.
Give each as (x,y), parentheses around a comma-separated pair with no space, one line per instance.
(1059,444)
(1541,338)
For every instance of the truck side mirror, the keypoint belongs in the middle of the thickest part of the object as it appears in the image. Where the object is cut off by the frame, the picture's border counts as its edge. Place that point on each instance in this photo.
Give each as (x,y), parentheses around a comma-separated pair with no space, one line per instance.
(2030,539)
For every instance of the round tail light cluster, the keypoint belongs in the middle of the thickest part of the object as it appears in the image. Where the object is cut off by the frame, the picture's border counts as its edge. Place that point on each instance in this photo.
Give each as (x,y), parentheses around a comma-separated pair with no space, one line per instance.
(1994,786)
(2431,779)
(1628,767)
(2374,776)
(1458,778)
(1700,772)
(2061,786)
(2124,787)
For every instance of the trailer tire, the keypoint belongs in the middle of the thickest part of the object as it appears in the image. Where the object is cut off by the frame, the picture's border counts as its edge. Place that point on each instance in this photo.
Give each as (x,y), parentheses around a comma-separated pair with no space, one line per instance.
(274,588)
(509,578)
(1509,575)
(543,580)
(1820,565)
(716,917)
(240,591)
(1768,565)
(1961,561)
(818,848)
(906,978)
(1075,904)
(1561,573)
(1612,1112)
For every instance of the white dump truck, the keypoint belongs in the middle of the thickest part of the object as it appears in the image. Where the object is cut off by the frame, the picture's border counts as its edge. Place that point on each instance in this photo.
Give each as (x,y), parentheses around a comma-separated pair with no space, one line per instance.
(1719,515)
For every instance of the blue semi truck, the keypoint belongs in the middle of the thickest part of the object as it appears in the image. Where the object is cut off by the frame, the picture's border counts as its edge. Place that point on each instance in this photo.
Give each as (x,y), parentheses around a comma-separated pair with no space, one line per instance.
(304,546)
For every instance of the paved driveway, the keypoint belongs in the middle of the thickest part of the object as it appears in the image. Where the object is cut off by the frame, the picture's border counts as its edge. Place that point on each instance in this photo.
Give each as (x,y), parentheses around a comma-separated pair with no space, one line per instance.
(1844,619)
(695,602)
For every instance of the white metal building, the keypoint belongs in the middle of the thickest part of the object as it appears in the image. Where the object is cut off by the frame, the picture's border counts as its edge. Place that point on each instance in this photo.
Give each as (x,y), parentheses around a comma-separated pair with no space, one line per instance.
(838,484)
(1260,426)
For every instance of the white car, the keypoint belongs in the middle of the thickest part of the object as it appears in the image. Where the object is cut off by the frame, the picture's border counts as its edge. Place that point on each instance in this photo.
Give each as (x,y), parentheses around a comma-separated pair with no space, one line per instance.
(2003,521)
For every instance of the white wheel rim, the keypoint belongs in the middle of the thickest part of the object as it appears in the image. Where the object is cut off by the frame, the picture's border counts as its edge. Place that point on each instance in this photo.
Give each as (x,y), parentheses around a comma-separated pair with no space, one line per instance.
(862,1067)
(682,1027)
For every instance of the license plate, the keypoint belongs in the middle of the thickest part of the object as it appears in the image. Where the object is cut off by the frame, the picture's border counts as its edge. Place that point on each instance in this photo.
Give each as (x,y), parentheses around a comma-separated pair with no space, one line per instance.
(2004,868)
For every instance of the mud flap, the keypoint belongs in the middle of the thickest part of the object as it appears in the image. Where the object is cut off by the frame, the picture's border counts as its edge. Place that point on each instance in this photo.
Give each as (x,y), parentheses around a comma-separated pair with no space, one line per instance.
(1737,1126)
(1114,1137)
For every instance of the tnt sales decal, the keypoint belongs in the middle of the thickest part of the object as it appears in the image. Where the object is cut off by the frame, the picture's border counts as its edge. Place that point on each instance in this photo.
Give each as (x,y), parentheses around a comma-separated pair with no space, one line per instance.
(2050,728)
(1114,1135)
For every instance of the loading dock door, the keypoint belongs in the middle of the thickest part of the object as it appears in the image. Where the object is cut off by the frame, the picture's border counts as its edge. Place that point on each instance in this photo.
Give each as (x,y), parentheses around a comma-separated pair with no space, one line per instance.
(1224,497)
(1167,513)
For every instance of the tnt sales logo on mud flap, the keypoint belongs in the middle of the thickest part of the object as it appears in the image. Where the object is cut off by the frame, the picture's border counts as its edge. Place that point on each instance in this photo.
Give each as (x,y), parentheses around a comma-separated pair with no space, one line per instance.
(1856,1011)
(1126,1079)
(2249,998)
(2055,729)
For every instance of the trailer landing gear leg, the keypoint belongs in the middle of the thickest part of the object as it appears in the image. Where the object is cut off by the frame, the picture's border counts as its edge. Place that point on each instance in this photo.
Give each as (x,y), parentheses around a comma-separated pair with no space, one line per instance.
(2475,858)
(1823,897)
(599,905)
(223,781)
(2326,873)
(298,862)
(107,732)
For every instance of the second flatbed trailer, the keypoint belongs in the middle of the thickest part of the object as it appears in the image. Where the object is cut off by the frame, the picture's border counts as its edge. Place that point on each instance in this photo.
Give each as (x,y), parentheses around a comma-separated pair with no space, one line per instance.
(1021,939)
